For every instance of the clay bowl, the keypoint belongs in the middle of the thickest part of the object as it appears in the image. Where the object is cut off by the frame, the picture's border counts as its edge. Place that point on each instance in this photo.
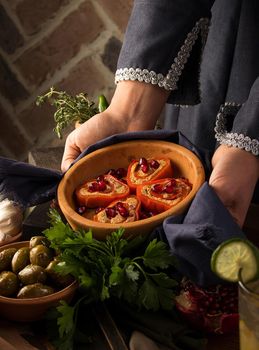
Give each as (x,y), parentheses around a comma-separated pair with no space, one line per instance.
(184,163)
(33,309)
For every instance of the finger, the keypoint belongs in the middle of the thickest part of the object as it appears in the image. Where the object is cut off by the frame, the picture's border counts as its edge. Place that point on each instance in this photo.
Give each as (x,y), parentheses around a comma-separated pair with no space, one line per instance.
(71,152)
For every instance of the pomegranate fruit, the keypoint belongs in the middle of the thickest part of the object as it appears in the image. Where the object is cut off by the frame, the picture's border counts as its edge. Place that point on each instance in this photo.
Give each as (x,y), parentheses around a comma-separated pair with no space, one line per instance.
(213,309)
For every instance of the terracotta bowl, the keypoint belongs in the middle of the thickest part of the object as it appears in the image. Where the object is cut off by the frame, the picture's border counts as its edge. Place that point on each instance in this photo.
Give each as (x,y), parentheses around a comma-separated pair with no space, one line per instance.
(12,239)
(33,309)
(184,163)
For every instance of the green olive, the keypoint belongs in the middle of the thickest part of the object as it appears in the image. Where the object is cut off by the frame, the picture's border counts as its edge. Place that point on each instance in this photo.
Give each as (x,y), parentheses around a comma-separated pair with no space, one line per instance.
(6,258)
(32,274)
(9,283)
(36,240)
(20,259)
(34,291)
(57,278)
(41,255)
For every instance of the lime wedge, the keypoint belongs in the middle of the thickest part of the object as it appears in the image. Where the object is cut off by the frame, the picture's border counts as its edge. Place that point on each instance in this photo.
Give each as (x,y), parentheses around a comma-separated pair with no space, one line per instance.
(233,255)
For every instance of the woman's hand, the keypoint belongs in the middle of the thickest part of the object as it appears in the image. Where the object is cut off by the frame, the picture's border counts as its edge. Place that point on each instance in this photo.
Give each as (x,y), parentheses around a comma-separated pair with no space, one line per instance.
(135,106)
(234,176)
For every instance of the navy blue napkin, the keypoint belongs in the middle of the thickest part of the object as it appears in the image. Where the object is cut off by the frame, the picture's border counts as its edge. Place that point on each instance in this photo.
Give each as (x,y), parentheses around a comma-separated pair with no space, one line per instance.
(192,237)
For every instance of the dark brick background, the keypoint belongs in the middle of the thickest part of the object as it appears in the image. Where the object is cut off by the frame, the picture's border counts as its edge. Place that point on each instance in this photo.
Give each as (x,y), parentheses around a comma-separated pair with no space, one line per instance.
(70,44)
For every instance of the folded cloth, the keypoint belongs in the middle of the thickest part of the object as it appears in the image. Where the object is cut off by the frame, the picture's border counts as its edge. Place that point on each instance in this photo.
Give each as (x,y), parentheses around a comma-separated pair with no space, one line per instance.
(26,184)
(193,237)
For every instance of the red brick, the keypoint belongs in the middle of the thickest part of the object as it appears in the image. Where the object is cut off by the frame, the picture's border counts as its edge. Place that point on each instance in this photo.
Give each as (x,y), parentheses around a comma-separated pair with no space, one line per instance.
(11,137)
(10,38)
(118,10)
(32,14)
(84,77)
(10,87)
(38,121)
(81,27)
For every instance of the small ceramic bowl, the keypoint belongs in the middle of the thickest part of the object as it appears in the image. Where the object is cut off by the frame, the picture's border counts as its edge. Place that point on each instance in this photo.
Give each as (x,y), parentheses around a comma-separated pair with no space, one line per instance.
(32,309)
(184,162)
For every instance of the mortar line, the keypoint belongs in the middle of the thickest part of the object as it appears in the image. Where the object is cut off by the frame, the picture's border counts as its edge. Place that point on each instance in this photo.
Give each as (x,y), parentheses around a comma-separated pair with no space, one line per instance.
(106,19)
(11,13)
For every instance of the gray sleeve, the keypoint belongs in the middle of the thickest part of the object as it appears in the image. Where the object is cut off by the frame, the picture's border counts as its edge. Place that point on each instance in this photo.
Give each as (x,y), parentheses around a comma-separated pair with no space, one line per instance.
(238,126)
(163,45)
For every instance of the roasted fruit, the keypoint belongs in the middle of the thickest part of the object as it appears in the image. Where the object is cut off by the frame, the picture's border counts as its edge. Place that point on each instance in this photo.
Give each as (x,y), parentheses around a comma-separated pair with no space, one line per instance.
(160,195)
(101,191)
(213,309)
(126,210)
(144,170)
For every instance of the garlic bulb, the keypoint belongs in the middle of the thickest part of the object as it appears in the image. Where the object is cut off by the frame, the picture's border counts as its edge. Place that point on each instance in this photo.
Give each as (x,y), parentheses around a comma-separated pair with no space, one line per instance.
(11,217)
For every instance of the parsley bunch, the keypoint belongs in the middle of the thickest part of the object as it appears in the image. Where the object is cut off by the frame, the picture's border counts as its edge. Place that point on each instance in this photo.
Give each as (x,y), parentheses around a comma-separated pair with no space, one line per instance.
(111,268)
(70,109)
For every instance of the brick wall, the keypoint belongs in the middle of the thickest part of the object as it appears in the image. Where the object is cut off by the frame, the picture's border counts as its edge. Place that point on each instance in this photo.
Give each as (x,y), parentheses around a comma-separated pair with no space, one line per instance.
(72,45)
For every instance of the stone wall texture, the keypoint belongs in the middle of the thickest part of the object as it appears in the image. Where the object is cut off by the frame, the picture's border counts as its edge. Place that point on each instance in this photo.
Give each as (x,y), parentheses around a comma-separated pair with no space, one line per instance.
(72,45)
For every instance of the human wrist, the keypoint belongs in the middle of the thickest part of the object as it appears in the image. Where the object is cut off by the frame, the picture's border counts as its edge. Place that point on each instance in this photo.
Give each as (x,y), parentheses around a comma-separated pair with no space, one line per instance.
(137,105)
(223,153)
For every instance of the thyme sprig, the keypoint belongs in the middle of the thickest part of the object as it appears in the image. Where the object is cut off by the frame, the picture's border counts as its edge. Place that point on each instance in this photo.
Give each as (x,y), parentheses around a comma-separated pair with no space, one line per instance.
(70,109)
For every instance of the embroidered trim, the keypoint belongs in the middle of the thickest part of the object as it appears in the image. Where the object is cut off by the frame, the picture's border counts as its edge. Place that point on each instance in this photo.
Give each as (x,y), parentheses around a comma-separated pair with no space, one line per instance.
(230,138)
(168,82)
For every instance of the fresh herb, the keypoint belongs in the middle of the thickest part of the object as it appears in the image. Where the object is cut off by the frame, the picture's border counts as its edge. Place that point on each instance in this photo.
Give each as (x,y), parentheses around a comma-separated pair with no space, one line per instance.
(111,268)
(70,109)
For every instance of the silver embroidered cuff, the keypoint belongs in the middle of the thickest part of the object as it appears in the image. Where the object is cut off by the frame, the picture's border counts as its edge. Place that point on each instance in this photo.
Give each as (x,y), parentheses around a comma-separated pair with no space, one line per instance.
(230,138)
(168,82)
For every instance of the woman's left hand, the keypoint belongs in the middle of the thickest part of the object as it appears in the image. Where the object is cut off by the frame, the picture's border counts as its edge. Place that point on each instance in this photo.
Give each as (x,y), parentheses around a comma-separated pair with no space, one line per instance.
(234,176)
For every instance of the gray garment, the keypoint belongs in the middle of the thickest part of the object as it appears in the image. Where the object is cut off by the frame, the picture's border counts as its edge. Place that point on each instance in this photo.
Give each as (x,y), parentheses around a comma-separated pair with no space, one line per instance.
(230,66)
(224,71)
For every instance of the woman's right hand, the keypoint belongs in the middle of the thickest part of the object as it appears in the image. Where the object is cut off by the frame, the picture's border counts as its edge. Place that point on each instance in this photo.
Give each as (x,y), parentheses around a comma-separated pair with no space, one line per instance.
(135,106)
(98,127)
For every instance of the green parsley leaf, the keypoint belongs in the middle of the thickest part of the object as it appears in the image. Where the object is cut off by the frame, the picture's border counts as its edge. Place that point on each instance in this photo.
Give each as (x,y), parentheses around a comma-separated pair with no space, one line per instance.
(157,256)
(66,320)
(148,295)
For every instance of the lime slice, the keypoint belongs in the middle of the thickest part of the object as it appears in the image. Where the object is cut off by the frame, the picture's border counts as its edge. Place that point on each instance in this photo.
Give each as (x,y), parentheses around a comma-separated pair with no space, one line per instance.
(233,255)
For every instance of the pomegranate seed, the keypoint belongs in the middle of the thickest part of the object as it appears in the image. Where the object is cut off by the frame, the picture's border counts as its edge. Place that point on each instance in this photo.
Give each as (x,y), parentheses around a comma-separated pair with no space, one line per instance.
(102,186)
(157,188)
(100,178)
(143,216)
(154,164)
(121,172)
(97,210)
(93,187)
(169,189)
(112,172)
(143,161)
(144,168)
(123,211)
(81,210)
(119,204)
(110,212)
